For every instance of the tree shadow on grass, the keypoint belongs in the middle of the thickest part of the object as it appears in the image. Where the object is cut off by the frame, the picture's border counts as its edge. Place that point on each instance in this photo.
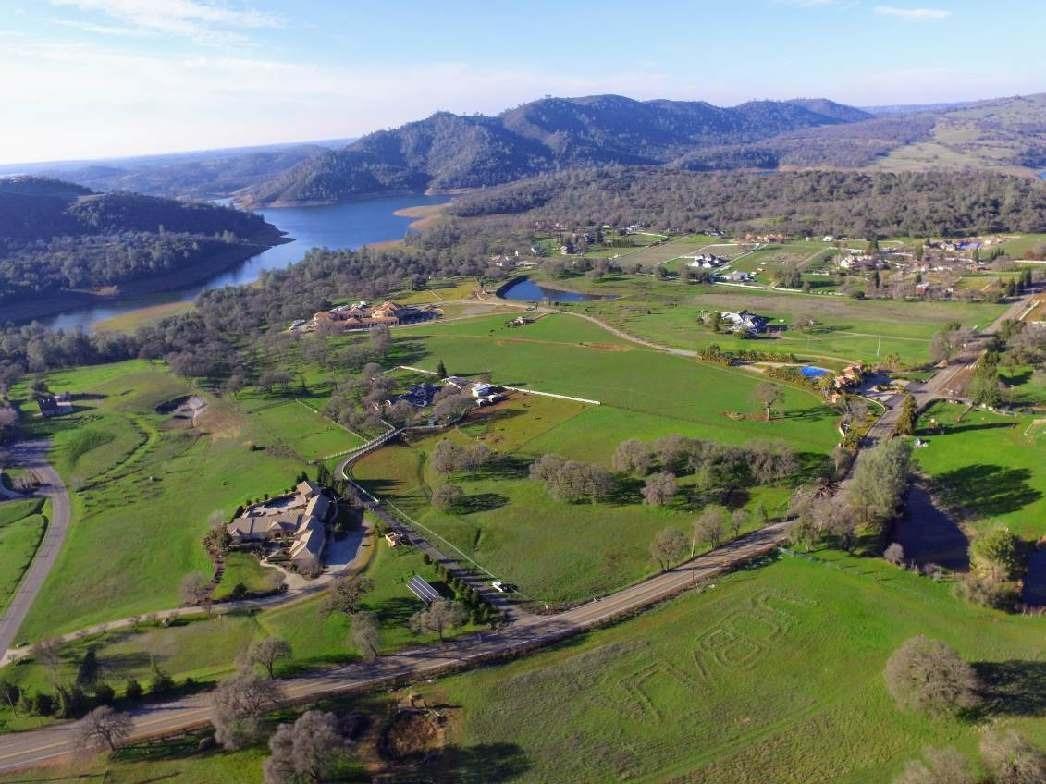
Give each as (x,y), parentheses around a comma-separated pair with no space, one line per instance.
(397,610)
(970,427)
(989,489)
(503,467)
(1013,687)
(482,502)
(484,763)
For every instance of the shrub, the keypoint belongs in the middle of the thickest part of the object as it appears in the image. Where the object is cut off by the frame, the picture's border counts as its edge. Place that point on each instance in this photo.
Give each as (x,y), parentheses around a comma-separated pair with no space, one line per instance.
(941,766)
(894,554)
(996,554)
(929,676)
(988,592)
(1011,759)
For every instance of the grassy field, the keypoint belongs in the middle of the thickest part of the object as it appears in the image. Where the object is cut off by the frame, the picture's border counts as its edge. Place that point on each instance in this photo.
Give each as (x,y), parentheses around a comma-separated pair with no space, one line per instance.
(144,488)
(555,551)
(22,526)
(844,329)
(989,466)
(568,356)
(294,423)
(749,682)
(742,683)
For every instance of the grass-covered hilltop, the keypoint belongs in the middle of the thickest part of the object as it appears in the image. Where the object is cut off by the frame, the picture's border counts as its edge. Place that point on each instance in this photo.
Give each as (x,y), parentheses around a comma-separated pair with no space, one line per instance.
(625,473)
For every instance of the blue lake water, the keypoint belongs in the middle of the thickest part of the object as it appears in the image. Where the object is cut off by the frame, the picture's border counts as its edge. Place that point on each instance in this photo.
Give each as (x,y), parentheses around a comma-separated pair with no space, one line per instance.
(335,226)
(526,290)
(813,372)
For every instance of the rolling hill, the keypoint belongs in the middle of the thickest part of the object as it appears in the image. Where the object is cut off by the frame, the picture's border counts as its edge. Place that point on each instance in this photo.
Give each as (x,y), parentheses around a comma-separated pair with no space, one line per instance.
(448,152)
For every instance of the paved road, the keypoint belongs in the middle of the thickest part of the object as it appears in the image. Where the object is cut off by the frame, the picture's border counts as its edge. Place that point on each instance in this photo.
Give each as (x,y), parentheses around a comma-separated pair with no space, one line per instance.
(33,455)
(26,749)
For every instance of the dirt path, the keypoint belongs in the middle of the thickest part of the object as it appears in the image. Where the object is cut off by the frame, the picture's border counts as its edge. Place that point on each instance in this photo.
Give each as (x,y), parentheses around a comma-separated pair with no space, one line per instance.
(33,455)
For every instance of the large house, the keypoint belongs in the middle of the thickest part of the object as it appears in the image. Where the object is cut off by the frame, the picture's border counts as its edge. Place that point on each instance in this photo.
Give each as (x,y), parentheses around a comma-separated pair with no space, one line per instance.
(297,521)
(745,322)
(361,315)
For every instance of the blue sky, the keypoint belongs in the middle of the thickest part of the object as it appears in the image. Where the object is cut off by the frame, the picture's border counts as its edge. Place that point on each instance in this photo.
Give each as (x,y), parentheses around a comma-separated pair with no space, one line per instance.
(92,78)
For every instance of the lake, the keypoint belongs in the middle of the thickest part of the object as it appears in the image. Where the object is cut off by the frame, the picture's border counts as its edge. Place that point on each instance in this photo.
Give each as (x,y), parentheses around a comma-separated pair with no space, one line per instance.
(350,225)
(526,290)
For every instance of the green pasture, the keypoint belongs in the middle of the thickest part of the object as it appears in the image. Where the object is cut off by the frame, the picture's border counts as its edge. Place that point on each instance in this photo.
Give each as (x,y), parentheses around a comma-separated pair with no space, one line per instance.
(555,551)
(141,504)
(623,376)
(773,675)
(988,466)
(22,526)
(310,434)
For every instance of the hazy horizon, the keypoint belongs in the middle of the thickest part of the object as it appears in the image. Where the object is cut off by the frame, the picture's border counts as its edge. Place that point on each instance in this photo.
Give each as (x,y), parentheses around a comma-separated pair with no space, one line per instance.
(104,79)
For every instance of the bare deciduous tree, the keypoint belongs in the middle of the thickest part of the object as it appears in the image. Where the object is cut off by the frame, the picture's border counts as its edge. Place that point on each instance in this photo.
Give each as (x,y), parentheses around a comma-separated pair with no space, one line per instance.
(894,554)
(365,634)
(196,588)
(266,653)
(306,752)
(928,675)
(438,617)
(49,653)
(941,766)
(668,547)
(240,703)
(659,489)
(709,527)
(768,395)
(1011,759)
(103,729)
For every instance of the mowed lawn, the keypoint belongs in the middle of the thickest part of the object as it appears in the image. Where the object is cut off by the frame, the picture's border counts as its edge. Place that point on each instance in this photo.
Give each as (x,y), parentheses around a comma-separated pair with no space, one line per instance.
(846,329)
(22,527)
(554,551)
(565,355)
(773,675)
(988,465)
(138,521)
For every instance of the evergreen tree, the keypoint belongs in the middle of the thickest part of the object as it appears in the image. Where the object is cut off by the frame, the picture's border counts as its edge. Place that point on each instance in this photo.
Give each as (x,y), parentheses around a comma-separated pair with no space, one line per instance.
(907,421)
(441,370)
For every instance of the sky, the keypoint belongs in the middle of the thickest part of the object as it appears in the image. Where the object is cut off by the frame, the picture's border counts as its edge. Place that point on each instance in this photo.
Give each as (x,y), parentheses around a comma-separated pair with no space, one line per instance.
(103,78)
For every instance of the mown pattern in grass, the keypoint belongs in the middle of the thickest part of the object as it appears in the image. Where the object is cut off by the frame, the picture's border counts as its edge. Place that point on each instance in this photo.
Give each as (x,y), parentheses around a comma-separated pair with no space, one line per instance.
(774,675)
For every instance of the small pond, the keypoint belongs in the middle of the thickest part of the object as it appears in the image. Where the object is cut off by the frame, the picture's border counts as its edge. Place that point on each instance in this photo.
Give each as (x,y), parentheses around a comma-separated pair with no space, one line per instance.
(813,372)
(526,290)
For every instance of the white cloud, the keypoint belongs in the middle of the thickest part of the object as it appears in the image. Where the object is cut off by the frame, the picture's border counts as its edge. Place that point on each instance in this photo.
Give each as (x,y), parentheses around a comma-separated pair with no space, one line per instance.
(913,14)
(203,21)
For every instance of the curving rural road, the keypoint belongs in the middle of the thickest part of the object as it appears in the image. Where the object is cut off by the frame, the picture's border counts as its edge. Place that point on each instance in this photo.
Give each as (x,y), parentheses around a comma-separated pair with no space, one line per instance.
(26,749)
(33,455)
(528,632)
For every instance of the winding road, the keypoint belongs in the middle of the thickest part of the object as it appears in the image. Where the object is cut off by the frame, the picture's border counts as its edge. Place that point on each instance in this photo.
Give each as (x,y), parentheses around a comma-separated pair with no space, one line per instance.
(528,631)
(26,749)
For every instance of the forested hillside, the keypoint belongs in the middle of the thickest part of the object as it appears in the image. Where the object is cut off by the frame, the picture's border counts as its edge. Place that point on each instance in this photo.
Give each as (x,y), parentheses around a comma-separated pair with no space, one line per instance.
(448,151)
(841,203)
(55,235)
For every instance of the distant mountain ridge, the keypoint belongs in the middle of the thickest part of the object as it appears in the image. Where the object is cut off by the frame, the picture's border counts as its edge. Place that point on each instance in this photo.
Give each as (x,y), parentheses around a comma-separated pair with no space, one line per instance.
(448,152)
